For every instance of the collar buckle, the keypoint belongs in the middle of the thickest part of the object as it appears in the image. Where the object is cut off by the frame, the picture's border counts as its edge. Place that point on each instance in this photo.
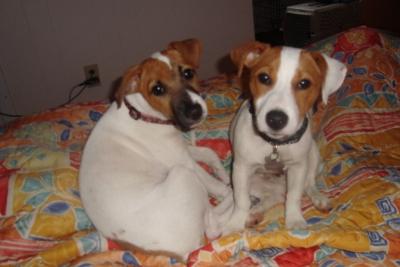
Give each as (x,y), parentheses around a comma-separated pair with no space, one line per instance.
(274,156)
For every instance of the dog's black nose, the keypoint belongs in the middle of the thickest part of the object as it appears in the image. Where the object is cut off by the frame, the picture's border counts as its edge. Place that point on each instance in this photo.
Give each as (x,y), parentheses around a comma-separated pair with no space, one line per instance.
(276,119)
(193,111)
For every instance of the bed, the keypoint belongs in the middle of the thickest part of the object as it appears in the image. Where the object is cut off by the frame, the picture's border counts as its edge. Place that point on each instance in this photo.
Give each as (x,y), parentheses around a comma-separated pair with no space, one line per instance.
(42,221)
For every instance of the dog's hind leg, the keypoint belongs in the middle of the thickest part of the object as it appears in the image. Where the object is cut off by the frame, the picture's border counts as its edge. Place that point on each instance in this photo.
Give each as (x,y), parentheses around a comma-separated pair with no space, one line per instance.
(177,212)
(319,200)
(296,177)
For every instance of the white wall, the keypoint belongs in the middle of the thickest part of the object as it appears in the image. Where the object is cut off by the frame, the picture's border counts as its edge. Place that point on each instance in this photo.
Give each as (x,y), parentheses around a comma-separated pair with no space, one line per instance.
(44,44)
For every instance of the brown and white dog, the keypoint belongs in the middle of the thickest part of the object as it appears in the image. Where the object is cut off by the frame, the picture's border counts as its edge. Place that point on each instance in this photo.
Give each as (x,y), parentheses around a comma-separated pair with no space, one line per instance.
(272,126)
(140,183)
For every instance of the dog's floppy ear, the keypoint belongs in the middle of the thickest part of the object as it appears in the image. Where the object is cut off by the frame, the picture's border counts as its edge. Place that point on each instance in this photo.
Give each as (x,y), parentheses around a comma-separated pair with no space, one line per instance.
(335,72)
(246,54)
(190,49)
(129,83)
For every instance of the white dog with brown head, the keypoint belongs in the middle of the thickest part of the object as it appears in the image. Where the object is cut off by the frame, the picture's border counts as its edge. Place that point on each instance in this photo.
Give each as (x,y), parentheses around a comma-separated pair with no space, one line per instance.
(273,126)
(140,183)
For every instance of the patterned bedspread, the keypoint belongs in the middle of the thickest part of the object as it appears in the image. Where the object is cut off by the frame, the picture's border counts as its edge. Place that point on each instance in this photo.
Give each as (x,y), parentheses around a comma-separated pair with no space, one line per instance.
(43,223)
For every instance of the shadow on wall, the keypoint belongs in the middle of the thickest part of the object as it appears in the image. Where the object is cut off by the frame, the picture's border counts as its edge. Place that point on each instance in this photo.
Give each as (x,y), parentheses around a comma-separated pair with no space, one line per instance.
(114,87)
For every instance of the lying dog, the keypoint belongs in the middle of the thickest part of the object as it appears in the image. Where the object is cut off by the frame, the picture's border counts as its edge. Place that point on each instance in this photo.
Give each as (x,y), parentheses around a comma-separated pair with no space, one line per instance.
(139,180)
(273,126)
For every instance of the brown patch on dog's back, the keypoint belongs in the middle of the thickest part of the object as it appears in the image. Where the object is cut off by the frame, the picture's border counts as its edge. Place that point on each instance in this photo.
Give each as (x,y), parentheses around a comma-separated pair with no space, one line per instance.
(312,67)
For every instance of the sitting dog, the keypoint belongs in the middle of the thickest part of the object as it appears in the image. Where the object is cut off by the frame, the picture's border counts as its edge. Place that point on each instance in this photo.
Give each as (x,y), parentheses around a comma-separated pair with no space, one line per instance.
(139,180)
(273,126)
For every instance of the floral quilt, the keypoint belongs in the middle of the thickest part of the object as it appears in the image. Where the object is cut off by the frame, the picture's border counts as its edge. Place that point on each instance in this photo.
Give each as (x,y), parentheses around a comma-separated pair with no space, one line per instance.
(42,222)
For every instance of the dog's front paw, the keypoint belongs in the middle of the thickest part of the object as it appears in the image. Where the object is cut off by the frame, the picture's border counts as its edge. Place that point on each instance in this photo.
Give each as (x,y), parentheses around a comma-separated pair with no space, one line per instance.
(320,201)
(295,222)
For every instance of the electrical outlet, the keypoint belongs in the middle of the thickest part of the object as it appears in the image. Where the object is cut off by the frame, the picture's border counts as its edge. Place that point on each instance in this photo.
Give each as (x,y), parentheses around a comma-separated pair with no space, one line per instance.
(92,72)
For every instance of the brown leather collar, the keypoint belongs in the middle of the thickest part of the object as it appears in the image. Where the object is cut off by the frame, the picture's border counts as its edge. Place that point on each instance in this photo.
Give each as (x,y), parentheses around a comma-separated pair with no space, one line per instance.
(137,115)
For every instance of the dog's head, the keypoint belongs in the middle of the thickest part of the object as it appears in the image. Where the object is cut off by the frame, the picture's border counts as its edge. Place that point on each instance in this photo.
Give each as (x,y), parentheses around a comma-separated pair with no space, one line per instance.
(168,83)
(285,83)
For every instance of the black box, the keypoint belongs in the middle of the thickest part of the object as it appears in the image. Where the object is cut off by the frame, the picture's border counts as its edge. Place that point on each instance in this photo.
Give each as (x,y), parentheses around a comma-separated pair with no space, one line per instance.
(313,21)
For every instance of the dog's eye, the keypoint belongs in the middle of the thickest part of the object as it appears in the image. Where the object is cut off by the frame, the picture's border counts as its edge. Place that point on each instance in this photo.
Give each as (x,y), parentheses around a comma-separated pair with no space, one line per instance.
(158,89)
(264,78)
(304,84)
(188,74)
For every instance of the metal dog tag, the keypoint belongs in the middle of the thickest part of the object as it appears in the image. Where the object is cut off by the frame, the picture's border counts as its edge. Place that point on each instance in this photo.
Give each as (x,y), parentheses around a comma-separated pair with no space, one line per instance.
(274,155)
(273,165)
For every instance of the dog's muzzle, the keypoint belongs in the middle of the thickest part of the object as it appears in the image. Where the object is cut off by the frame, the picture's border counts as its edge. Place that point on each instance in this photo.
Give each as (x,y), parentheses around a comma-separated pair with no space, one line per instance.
(187,111)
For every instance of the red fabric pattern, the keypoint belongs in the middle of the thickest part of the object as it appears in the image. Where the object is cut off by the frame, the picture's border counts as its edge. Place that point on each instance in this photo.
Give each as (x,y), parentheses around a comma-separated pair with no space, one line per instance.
(297,257)
(354,41)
